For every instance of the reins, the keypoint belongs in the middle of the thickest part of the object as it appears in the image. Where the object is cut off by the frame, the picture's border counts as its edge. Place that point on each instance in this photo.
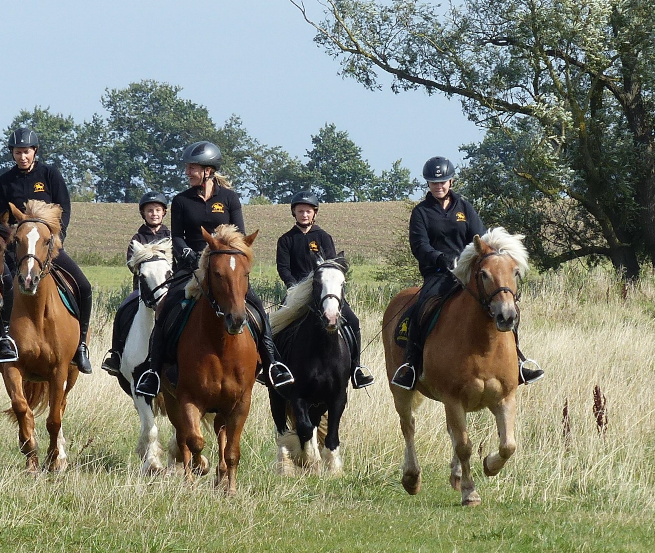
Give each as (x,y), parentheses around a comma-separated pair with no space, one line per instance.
(149,299)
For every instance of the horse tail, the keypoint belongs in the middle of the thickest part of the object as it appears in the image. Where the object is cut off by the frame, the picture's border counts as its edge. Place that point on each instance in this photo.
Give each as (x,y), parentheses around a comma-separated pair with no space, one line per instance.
(159,406)
(36,395)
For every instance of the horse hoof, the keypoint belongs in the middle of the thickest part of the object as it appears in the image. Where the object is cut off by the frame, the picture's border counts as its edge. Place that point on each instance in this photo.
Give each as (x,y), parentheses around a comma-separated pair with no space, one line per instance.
(412,483)
(456,483)
(152,470)
(472,500)
(487,470)
(32,466)
(202,468)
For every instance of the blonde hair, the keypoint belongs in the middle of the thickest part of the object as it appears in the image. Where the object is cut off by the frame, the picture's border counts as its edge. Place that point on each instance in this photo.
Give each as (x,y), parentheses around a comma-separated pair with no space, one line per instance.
(221,180)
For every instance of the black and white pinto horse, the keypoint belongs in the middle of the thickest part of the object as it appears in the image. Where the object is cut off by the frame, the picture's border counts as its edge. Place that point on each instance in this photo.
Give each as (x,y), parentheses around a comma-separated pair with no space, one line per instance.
(153,264)
(307,331)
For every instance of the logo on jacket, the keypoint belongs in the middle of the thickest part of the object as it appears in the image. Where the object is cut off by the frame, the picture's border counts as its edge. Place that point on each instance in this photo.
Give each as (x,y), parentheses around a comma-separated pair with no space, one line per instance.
(218,207)
(460,216)
(313,246)
(39,187)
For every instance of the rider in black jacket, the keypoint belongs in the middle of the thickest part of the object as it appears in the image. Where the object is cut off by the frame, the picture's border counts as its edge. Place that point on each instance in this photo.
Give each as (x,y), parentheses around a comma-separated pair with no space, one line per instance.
(297,251)
(30,179)
(440,227)
(209,202)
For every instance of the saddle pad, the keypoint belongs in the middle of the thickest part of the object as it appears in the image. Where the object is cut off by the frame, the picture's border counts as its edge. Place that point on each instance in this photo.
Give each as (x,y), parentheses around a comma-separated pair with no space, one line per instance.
(68,290)
(67,303)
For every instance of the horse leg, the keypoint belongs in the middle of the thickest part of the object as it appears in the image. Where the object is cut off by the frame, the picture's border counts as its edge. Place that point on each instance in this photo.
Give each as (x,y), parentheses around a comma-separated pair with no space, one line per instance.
(278,410)
(221,467)
(331,455)
(505,414)
(231,452)
(24,416)
(191,442)
(56,457)
(456,421)
(455,466)
(403,400)
(148,447)
(310,456)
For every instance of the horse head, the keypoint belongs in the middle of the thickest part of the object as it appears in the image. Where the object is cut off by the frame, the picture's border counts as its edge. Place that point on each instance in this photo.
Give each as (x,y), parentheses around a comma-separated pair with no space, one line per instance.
(153,265)
(492,266)
(328,290)
(37,242)
(226,262)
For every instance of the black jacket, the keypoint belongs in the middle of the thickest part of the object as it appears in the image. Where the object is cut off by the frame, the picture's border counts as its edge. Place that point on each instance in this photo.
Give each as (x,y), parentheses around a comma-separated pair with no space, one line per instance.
(145,235)
(43,182)
(297,253)
(189,212)
(435,233)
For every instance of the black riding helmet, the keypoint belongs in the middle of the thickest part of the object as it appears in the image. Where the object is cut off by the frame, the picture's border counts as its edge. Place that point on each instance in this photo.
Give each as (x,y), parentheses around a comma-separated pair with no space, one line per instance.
(203,153)
(304,197)
(153,198)
(23,138)
(438,169)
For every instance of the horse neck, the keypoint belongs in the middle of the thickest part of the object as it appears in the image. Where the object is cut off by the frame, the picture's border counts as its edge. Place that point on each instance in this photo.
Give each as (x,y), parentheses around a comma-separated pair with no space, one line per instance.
(37,304)
(472,318)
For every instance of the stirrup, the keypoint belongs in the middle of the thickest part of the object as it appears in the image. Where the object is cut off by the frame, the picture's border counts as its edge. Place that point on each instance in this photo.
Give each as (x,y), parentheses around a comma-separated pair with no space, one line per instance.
(286,376)
(114,371)
(11,355)
(405,377)
(143,379)
(367,379)
(538,372)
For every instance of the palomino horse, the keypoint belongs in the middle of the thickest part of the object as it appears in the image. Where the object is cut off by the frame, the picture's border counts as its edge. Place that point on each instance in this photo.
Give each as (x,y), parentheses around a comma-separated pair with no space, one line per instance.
(46,334)
(217,360)
(153,264)
(313,347)
(469,359)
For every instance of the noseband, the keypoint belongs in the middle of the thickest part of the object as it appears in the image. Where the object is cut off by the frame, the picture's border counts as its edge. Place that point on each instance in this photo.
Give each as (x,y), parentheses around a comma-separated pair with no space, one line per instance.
(147,296)
(209,294)
(322,299)
(43,265)
(483,299)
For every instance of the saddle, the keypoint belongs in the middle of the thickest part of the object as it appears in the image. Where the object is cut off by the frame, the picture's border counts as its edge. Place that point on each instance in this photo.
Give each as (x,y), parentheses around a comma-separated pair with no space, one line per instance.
(69,291)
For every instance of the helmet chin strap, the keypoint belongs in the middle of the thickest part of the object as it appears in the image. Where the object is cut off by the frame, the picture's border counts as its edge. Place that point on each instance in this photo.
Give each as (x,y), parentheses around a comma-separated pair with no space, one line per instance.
(304,225)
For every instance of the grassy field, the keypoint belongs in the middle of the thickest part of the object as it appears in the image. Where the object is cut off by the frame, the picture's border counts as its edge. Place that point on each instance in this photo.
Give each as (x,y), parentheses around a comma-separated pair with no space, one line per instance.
(588,489)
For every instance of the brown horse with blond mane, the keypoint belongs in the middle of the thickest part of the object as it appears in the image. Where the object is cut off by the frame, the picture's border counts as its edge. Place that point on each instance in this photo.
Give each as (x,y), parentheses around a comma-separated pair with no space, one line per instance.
(217,357)
(470,360)
(46,335)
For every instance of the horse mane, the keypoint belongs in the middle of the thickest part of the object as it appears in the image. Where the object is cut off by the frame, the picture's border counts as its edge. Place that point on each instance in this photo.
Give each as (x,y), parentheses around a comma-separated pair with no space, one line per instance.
(232,238)
(503,243)
(299,296)
(158,248)
(49,214)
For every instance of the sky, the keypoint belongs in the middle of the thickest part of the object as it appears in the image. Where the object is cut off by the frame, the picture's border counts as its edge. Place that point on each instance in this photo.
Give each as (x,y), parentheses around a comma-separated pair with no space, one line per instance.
(252,58)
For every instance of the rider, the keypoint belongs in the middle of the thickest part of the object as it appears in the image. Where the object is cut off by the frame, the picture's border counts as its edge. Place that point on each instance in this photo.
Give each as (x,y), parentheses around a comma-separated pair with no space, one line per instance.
(440,227)
(152,207)
(208,202)
(31,179)
(296,255)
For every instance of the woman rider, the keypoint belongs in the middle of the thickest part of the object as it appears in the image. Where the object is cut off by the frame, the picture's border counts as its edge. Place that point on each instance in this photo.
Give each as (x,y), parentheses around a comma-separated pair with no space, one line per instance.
(440,227)
(152,207)
(30,179)
(296,256)
(208,202)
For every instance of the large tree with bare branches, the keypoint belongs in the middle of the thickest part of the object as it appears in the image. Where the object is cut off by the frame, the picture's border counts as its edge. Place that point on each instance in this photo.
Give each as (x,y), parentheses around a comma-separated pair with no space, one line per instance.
(565,88)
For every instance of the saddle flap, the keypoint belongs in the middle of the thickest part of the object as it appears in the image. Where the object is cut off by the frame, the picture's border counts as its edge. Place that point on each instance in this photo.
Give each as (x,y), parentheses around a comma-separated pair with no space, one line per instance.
(69,291)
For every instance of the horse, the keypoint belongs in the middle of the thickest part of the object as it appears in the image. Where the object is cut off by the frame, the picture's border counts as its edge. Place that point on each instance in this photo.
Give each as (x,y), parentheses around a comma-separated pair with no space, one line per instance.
(217,360)
(153,264)
(46,335)
(470,359)
(308,332)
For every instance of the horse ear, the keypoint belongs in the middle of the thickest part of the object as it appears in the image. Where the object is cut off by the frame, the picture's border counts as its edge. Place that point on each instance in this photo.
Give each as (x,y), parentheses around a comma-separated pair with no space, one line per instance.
(477,243)
(251,238)
(207,236)
(17,213)
(4,219)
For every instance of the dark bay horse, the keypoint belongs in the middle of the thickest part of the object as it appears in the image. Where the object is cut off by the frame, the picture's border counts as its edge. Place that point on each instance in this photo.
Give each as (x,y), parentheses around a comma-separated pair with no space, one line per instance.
(46,334)
(307,331)
(470,360)
(217,359)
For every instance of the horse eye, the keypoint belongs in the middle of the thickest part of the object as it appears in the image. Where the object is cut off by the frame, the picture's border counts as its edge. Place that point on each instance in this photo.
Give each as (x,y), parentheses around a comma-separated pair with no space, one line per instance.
(484,274)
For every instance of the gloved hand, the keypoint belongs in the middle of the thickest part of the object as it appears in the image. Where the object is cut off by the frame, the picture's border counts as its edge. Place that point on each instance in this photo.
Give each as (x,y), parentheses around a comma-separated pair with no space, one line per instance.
(189,259)
(443,263)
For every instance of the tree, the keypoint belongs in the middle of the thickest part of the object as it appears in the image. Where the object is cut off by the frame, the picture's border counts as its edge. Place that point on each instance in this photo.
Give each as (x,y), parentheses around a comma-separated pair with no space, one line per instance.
(571,84)
(395,184)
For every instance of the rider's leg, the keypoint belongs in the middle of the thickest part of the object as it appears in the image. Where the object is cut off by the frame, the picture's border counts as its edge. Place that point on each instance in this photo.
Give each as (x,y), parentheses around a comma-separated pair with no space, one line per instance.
(278,373)
(149,381)
(360,376)
(8,349)
(121,327)
(527,375)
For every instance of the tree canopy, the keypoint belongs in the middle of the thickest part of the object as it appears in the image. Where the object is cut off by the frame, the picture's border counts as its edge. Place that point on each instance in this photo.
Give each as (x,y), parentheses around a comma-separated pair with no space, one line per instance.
(565,89)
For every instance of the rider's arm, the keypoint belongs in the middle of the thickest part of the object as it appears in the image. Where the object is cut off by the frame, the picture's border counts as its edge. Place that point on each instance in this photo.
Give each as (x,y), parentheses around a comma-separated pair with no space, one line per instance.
(419,241)
(283,262)
(60,195)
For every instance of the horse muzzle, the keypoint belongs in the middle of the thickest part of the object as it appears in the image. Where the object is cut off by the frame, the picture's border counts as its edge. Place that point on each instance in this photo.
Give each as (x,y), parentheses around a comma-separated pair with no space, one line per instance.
(234,324)
(28,284)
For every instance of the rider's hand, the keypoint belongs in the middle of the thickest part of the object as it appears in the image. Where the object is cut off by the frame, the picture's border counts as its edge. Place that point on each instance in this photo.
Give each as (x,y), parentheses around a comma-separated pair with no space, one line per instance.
(189,259)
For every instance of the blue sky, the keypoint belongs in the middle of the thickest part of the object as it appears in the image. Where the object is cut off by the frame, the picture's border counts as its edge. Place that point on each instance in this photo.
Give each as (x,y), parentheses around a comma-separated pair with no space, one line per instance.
(253,58)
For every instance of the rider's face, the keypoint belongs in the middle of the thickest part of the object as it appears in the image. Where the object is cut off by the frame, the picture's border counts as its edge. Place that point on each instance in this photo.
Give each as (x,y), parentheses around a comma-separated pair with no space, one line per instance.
(153,214)
(440,189)
(303,213)
(24,157)
(196,173)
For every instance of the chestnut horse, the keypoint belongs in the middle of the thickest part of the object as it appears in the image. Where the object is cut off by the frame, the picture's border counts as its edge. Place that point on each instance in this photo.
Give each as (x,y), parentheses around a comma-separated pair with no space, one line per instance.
(46,334)
(217,360)
(469,358)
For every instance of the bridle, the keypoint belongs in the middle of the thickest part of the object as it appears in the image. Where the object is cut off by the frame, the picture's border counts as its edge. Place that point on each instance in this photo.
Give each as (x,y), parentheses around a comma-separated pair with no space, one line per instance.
(482,297)
(209,294)
(318,303)
(43,265)
(146,294)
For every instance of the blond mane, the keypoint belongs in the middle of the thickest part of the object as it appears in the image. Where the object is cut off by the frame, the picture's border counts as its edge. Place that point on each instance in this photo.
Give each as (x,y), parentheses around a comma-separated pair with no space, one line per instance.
(501,241)
(159,248)
(297,303)
(50,214)
(232,238)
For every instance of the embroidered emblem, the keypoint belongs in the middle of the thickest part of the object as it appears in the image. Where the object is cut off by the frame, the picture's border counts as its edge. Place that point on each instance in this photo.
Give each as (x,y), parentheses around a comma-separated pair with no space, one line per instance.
(461,217)
(218,207)
(39,187)
(313,246)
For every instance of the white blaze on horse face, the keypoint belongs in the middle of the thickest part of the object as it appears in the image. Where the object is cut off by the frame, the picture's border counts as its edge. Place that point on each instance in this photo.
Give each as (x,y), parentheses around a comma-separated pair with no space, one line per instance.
(32,240)
(233,263)
(332,281)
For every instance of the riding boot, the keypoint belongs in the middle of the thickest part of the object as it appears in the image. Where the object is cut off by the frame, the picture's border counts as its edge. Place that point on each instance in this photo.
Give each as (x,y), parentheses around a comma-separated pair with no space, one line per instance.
(278,373)
(526,374)
(149,381)
(81,358)
(409,372)
(112,360)
(359,377)
(8,348)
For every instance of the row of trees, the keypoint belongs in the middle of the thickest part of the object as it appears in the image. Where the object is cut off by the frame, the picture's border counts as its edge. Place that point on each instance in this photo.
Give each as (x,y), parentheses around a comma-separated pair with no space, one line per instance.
(137,146)
(566,90)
